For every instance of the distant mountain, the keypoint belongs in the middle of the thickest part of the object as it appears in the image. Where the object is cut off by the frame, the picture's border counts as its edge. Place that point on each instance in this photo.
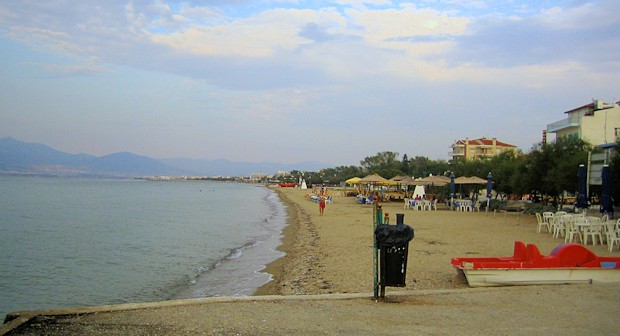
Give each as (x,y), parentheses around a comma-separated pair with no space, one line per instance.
(230,168)
(17,157)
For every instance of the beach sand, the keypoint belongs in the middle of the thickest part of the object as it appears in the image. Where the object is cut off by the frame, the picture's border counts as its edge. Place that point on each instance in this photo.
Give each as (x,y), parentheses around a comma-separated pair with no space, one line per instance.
(324,285)
(333,253)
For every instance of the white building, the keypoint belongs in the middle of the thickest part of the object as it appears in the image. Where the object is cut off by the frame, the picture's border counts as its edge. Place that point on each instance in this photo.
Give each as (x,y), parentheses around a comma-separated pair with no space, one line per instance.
(597,123)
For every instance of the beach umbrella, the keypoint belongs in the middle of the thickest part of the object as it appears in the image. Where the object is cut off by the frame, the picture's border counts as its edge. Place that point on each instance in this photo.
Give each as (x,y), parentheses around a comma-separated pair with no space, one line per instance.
(353,180)
(372,179)
(409,181)
(412,181)
(398,178)
(376,179)
(606,204)
(435,180)
(469,180)
(489,188)
(582,201)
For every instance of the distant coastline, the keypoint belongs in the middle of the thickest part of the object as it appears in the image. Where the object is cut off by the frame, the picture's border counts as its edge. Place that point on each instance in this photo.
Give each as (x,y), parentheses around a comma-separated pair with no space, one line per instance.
(21,158)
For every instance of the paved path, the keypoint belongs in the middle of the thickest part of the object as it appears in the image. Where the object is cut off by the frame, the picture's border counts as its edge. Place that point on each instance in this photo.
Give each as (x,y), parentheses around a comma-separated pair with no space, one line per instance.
(527,310)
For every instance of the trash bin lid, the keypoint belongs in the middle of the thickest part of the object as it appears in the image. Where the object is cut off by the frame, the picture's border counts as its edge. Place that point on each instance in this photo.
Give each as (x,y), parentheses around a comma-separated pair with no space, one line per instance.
(393,234)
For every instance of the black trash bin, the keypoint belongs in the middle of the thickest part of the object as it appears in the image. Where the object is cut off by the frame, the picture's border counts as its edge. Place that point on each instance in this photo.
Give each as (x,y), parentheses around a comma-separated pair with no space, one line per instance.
(393,243)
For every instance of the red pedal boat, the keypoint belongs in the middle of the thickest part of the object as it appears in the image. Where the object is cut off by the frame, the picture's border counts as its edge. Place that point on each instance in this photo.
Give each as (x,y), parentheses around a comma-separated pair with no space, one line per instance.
(287,185)
(567,263)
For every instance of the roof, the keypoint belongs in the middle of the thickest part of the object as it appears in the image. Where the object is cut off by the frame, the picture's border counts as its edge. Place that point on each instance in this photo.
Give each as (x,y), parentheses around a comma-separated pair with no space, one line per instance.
(484,142)
(591,105)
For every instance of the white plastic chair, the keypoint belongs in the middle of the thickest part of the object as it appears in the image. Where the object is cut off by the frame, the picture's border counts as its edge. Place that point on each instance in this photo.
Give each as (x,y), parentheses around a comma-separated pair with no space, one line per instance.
(572,230)
(613,239)
(548,218)
(560,225)
(608,229)
(434,205)
(541,223)
(407,204)
(555,226)
(593,230)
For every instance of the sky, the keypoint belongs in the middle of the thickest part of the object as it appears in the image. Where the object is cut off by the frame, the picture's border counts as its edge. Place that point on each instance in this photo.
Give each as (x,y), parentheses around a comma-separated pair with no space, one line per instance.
(292,80)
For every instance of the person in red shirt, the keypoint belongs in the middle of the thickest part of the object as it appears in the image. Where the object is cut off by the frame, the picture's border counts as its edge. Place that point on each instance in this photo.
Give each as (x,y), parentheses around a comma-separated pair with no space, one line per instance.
(322,205)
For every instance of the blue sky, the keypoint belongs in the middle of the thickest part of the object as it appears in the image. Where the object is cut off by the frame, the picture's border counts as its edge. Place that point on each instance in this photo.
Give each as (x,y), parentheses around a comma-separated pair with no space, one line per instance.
(290,81)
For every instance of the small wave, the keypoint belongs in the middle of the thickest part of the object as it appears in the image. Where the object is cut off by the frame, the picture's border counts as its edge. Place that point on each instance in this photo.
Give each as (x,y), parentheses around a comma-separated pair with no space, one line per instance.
(235,253)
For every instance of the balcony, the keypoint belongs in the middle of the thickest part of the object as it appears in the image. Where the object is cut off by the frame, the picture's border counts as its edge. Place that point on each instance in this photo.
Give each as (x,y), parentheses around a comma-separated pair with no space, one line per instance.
(562,124)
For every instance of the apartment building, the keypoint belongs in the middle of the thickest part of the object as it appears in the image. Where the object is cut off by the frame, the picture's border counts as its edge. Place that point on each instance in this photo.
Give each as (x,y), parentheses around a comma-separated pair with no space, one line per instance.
(482,148)
(597,123)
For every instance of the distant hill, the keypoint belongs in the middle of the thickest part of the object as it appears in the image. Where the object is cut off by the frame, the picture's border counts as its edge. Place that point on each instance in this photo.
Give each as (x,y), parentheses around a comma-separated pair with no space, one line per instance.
(223,167)
(17,157)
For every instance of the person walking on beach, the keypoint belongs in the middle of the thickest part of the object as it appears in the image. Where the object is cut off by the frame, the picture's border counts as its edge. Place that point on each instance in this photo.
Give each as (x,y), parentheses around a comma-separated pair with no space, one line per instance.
(322,205)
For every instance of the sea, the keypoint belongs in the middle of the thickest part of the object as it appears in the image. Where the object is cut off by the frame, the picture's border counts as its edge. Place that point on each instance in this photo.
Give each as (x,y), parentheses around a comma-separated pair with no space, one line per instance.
(74,242)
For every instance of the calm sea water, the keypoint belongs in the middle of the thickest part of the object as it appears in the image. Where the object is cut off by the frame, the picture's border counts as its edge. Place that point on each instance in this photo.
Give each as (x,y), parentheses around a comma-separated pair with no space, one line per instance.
(82,242)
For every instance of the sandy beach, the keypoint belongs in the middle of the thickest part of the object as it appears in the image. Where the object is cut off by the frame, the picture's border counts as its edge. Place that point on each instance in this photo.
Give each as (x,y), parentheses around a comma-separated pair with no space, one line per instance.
(324,285)
(333,253)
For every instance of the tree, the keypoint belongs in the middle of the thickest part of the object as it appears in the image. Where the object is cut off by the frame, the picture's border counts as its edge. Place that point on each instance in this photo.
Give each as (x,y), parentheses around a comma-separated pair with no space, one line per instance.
(552,168)
(385,164)
(341,173)
(404,166)
(505,168)
(468,168)
(421,166)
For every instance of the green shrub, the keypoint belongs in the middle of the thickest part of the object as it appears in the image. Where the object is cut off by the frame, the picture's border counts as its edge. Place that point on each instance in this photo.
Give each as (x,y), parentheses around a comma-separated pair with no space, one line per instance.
(538,208)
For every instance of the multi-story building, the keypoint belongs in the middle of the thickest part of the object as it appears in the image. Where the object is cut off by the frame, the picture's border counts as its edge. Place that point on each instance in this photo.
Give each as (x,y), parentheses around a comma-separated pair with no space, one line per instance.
(597,123)
(482,148)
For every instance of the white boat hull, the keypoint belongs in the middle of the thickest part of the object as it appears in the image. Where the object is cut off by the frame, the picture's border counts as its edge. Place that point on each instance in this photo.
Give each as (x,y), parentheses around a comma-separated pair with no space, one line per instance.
(542,276)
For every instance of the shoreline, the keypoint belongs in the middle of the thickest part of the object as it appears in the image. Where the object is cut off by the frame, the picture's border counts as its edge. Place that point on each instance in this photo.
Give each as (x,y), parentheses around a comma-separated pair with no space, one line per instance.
(323,285)
(333,253)
(275,267)
(297,232)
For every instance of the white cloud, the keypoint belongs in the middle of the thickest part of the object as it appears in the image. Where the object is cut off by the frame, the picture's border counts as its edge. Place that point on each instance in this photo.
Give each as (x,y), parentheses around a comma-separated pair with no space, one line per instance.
(264,68)
(71,70)
(363,3)
(583,34)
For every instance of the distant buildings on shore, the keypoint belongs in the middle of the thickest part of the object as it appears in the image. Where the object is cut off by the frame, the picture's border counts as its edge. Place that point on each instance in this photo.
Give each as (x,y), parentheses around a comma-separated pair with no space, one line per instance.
(482,148)
(597,123)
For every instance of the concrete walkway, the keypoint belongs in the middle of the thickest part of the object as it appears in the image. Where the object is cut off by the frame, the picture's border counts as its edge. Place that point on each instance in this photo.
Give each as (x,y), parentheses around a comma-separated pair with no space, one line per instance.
(527,310)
